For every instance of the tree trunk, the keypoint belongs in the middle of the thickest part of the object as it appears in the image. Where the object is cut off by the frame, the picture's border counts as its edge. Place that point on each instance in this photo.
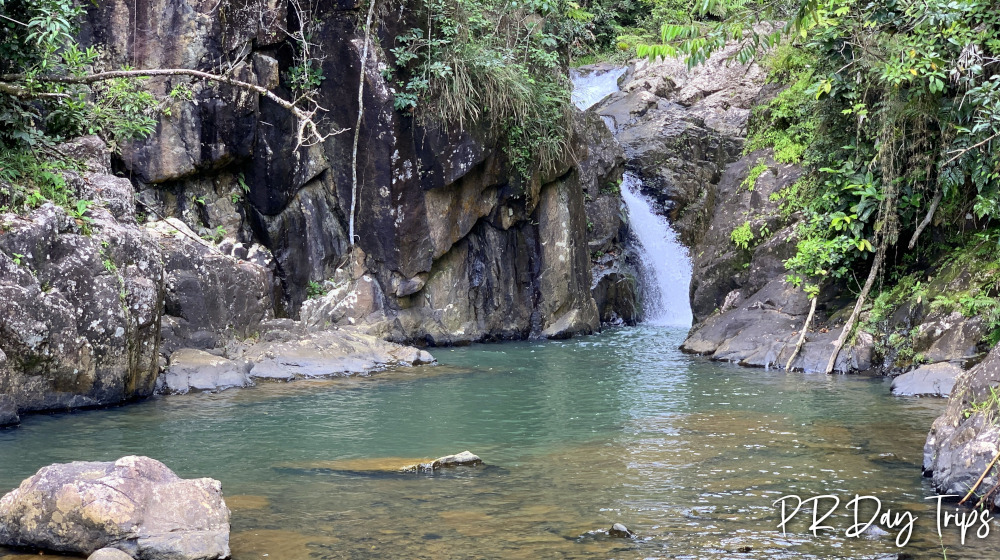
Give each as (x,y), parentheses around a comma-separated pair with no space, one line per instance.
(849,326)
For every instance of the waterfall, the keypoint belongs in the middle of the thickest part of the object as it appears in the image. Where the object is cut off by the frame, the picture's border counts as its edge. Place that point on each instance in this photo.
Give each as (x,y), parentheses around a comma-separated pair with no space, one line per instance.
(666,265)
(591,87)
(665,262)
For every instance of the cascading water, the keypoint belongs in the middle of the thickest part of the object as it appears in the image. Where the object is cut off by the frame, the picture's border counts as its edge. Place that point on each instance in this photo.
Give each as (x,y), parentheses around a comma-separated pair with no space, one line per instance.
(594,86)
(666,265)
(665,262)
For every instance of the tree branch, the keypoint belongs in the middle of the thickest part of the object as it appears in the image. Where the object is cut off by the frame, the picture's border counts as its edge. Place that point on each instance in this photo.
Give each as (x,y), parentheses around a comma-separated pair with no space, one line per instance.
(24,93)
(849,326)
(802,335)
(927,219)
(308,132)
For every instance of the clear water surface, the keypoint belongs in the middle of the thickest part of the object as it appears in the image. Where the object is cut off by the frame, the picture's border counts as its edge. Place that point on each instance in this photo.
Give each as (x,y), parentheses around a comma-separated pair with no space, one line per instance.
(577,435)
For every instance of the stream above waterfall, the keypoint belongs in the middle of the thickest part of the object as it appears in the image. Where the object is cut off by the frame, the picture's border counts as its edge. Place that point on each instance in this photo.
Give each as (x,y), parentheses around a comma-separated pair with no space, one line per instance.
(576,434)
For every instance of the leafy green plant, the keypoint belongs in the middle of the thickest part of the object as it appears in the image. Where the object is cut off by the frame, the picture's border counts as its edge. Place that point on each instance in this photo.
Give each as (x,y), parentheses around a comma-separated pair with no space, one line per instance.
(475,62)
(750,182)
(78,212)
(315,290)
(742,236)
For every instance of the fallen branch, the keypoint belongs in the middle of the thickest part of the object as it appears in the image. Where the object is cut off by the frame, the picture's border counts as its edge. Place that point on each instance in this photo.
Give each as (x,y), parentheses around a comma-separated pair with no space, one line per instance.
(307,133)
(802,335)
(849,326)
(927,219)
(982,477)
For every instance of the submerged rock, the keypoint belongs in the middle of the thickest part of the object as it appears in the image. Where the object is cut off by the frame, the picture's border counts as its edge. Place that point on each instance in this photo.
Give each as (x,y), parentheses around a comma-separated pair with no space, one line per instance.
(933,380)
(463,459)
(135,504)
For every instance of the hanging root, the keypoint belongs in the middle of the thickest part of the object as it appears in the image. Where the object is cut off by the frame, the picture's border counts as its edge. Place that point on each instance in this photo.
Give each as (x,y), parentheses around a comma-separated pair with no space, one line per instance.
(357,127)
(849,326)
(802,335)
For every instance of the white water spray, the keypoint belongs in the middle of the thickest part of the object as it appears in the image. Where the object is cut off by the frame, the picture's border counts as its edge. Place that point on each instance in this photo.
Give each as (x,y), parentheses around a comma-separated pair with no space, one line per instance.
(592,87)
(666,263)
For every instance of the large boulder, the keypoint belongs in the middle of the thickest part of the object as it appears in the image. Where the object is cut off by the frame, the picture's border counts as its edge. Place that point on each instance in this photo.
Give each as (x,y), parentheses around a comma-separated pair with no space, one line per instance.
(931,380)
(964,440)
(79,309)
(135,504)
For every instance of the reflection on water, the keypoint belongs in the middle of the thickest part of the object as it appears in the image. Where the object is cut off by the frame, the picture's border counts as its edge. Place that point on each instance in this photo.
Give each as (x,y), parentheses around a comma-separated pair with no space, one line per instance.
(577,435)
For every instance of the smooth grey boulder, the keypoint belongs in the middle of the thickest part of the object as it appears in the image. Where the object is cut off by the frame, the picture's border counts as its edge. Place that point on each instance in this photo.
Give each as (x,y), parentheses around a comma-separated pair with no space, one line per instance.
(109,554)
(197,370)
(135,504)
(931,380)
(327,353)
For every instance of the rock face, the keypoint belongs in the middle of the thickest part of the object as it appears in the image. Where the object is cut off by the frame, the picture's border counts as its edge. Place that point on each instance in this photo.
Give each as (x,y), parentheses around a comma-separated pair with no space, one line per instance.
(88,302)
(135,504)
(964,440)
(452,246)
(79,301)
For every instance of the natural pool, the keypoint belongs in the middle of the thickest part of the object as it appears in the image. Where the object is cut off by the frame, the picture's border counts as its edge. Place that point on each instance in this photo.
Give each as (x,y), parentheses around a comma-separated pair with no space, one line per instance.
(578,434)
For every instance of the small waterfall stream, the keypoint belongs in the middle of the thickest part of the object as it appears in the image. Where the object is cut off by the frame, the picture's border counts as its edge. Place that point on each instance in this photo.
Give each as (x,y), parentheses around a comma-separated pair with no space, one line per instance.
(666,263)
(591,87)
(666,274)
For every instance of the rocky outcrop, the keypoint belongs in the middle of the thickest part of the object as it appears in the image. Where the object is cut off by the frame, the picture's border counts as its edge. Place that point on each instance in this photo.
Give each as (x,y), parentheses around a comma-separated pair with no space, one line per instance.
(964,440)
(452,245)
(80,299)
(135,504)
(680,128)
(91,302)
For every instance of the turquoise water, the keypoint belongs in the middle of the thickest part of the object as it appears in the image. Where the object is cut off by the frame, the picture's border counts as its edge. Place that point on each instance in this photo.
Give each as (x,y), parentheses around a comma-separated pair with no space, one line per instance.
(577,435)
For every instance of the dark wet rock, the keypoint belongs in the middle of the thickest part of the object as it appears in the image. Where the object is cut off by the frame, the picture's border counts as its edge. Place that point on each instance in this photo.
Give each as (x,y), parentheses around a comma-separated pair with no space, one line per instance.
(196,370)
(930,380)
(211,291)
(952,336)
(109,554)
(620,531)
(613,279)
(8,411)
(463,459)
(964,439)
(135,504)
(457,247)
